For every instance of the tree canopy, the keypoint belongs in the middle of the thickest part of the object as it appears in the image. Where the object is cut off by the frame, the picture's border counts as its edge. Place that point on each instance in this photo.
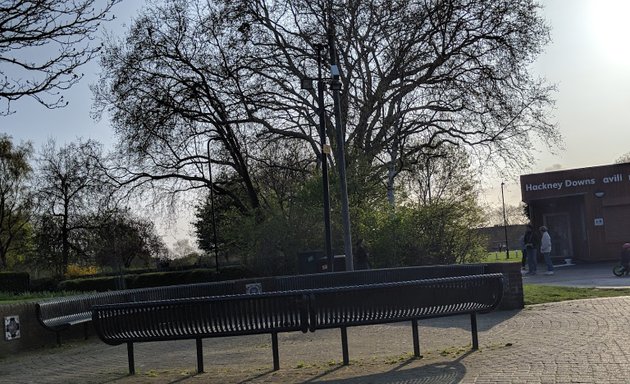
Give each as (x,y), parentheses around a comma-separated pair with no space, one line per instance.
(416,76)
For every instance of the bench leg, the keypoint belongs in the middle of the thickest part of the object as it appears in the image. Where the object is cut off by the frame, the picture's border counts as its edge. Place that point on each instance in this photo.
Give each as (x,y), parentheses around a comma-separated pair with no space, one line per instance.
(416,339)
(276,354)
(132,369)
(473,330)
(58,333)
(85,330)
(199,357)
(344,345)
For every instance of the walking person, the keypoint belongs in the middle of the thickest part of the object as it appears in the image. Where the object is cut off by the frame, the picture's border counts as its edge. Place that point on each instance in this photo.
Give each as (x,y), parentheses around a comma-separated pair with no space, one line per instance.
(531,244)
(545,249)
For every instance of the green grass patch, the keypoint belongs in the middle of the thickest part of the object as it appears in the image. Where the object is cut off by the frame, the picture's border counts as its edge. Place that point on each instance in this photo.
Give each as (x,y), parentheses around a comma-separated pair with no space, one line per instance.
(502,257)
(538,294)
(12,298)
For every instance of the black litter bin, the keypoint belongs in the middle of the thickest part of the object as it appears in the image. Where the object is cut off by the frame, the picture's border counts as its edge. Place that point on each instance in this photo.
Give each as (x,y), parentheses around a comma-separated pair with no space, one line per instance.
(308,262)
(339,264)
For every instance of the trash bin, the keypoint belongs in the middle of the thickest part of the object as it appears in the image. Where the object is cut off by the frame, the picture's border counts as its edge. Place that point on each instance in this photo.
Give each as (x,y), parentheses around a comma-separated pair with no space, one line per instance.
(339,263)
(308,261)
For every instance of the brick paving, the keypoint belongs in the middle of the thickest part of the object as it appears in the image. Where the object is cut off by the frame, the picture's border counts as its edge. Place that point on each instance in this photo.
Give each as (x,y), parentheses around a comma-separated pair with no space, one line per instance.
(582,341)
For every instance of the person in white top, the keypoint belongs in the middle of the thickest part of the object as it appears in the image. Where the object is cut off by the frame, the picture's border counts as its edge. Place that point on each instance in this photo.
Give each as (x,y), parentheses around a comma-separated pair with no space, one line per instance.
(545,249)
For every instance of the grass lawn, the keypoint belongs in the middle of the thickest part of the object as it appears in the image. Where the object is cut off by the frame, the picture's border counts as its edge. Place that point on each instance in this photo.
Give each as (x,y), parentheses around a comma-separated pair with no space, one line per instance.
(502,257)
(538,294)
(11,298)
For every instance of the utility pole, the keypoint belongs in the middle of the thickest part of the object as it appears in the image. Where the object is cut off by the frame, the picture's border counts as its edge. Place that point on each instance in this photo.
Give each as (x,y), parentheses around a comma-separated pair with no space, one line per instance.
(325,150)
(214,222)
(335,86)
(507,247)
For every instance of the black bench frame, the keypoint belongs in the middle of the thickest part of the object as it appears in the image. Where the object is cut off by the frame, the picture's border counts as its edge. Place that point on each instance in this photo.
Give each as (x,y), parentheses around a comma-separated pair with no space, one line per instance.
(61,313)
(311,309)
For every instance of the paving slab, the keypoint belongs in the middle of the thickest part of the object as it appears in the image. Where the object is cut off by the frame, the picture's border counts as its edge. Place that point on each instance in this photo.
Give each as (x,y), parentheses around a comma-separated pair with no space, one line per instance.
(582,341)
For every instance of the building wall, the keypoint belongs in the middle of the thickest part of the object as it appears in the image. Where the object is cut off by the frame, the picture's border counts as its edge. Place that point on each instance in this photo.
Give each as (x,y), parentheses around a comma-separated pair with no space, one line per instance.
(596,200)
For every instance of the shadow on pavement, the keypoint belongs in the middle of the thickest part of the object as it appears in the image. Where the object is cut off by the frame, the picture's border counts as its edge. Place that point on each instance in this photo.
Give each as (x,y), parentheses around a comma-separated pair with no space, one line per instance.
(443,373)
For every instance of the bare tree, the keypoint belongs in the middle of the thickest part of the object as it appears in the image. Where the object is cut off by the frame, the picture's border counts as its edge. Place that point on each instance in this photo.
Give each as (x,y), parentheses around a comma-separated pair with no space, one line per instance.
(72,189)
(415,75)
(123,238)
(43,44)
(15,196)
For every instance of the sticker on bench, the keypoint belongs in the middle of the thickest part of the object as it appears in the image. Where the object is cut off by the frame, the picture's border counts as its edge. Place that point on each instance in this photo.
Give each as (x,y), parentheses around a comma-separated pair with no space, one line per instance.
(11,328)
(253,288)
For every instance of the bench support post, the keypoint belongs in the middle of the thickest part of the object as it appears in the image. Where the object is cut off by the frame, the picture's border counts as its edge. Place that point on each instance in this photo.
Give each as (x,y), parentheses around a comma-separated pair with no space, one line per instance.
(416,339)
(199,357)
(276,354)
(344,345)
(85,330)
(473,330)
(132,368)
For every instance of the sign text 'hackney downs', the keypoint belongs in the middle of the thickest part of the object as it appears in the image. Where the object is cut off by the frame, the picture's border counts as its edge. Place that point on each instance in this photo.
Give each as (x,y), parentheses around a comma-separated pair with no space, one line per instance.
(567,183)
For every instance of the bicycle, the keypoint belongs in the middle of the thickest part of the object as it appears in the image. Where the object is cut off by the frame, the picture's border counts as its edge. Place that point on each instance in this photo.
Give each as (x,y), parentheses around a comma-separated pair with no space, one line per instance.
(620,270)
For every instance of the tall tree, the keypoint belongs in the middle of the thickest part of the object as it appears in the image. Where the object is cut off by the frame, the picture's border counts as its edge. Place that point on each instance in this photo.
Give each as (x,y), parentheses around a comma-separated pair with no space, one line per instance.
(416,75)
(43,44)
(123,238)
(72,188)
(217,83)
(15,195)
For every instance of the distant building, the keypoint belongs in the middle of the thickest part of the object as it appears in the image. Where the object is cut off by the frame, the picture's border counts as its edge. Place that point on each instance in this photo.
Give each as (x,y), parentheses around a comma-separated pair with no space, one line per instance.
(586,210)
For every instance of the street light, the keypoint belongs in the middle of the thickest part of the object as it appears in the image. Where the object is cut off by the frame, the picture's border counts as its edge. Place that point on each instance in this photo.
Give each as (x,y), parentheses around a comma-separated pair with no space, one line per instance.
(507,247)
(307,83)
(214,222)
(335,86)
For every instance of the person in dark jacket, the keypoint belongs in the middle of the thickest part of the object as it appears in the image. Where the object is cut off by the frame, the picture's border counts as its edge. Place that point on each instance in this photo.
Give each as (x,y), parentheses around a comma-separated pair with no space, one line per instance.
(532,243)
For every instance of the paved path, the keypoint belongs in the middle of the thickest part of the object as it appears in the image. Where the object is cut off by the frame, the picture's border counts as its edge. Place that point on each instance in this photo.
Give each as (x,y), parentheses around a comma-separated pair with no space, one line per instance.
(583,341)
(581,275)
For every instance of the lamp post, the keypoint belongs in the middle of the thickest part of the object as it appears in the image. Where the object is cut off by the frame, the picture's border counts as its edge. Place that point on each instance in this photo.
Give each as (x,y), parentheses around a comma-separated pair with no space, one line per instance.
(325,151)
(214,222)
(507,247)
(335,86)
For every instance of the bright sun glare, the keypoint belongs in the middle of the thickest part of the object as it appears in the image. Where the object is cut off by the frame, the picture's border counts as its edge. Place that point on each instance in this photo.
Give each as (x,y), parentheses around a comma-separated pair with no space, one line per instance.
(609,25)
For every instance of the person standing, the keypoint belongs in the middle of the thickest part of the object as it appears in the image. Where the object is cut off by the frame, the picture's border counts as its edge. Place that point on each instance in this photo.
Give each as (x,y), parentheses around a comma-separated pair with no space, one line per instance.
(545,249)
(531,240)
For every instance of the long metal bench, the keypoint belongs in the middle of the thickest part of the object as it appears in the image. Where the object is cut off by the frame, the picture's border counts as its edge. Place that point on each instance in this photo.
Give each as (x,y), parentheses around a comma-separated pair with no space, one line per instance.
(307,309)
(202,318)
(403,301)
(61,313)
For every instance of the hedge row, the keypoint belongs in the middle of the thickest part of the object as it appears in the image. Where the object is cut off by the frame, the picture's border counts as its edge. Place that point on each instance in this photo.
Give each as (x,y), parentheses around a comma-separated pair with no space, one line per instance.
(14,281)
(154,279)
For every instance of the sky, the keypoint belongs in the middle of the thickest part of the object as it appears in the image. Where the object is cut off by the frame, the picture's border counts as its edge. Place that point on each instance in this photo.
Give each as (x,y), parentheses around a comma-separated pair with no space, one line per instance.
(588,60)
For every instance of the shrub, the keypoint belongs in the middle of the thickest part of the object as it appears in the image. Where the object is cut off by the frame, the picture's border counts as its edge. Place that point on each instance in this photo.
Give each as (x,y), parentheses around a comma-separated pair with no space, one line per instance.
(99,284)
(45,284)
(75,270)
(16,282)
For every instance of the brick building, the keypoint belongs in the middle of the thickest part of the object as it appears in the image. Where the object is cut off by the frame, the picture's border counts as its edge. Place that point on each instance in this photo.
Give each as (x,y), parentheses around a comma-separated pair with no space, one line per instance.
(586,210)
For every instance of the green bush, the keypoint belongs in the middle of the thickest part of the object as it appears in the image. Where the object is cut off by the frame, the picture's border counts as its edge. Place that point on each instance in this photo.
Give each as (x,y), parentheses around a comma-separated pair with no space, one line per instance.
(16,282)
(99,284)
(233,273)
(158,279)
(45,284)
